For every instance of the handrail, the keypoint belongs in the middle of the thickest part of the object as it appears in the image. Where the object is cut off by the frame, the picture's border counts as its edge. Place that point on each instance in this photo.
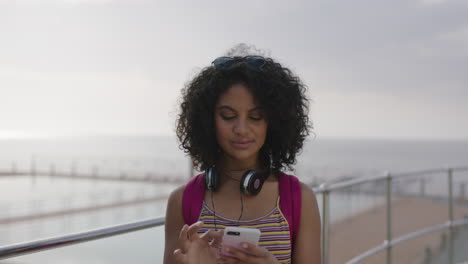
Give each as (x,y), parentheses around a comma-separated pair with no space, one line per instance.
(51,243)
(66,240)
(341,185)
(352,182)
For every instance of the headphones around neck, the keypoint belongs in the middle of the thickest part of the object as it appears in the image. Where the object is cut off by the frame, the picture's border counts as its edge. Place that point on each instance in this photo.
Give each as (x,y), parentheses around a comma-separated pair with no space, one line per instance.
(251,182)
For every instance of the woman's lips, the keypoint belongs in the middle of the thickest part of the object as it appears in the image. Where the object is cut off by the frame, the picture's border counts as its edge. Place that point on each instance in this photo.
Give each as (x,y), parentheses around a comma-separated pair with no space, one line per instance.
(242,144)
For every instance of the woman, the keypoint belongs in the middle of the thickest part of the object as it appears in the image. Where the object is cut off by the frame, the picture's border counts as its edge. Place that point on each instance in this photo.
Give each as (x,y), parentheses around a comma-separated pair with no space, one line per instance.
(243,120)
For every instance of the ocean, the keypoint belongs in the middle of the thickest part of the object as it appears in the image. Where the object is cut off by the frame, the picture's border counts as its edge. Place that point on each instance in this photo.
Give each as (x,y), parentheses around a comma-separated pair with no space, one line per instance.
(322,160)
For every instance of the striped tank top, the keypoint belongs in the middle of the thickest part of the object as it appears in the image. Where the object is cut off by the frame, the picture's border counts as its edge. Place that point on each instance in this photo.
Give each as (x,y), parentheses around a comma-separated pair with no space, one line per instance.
(273,226)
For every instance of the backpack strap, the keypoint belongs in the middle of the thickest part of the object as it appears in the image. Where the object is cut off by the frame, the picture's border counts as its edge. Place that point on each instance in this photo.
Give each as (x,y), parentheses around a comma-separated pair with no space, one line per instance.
(290,202)
(192,199)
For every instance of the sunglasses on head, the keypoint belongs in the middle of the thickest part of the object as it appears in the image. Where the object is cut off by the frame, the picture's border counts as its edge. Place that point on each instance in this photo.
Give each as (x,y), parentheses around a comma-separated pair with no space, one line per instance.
(254,62)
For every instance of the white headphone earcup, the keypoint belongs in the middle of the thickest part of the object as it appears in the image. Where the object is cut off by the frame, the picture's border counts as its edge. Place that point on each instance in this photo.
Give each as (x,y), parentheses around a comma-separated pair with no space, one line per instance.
(251,182)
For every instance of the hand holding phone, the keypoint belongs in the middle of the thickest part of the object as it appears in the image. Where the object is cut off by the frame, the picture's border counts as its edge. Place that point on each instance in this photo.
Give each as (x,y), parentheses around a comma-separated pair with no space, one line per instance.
(235,236)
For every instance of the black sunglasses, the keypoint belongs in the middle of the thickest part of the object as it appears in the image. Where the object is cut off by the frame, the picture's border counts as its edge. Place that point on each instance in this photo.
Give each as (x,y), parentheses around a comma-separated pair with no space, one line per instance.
(254,62)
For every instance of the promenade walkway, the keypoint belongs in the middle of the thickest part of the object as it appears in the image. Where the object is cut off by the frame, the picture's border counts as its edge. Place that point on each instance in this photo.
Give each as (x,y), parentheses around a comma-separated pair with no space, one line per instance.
(354,235)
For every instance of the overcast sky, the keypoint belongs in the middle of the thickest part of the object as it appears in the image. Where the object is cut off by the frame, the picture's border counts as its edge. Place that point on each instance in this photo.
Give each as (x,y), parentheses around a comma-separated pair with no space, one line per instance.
(375,69)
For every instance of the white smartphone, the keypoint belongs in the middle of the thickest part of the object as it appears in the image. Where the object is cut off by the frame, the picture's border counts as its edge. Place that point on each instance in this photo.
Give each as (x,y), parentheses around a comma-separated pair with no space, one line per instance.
(234,236)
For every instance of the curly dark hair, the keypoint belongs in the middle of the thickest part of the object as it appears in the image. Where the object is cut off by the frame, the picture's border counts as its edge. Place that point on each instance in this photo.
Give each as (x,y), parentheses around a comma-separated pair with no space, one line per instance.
(280,93)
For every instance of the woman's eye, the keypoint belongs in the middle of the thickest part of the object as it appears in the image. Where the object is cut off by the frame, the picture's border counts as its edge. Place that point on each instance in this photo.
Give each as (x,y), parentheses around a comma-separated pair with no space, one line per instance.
(257,118)
(227,117)
(257,115)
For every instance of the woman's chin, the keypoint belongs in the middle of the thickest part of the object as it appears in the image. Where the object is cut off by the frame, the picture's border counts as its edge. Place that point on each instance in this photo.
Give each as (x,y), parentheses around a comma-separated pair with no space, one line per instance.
(244,157)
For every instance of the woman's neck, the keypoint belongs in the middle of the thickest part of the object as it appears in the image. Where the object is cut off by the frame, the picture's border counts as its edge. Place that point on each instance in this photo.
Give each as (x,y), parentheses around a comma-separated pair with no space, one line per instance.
(234,170)
(233,164)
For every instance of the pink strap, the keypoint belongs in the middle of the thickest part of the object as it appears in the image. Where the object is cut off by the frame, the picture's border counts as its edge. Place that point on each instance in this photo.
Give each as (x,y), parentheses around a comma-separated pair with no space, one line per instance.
(192,200)
(290,202)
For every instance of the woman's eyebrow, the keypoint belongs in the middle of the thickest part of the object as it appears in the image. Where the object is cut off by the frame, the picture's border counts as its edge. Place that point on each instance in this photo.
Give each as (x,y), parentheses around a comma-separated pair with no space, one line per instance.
(226,107)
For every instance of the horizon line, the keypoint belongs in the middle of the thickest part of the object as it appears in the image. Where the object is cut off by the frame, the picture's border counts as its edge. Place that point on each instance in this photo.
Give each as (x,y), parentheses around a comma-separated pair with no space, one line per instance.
(24,136)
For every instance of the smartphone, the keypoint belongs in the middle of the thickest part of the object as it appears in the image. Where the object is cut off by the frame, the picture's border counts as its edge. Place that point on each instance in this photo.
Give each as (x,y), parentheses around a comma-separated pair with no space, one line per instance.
(234,236)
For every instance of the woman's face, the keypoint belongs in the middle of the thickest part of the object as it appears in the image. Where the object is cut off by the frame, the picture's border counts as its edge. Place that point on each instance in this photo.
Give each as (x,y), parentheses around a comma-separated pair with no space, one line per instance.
(241,127)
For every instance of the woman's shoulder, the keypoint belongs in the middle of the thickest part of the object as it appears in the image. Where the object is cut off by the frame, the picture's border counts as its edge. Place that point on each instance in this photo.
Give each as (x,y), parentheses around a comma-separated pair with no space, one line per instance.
(308,195)
(193,189)
(175,197)
(178,192)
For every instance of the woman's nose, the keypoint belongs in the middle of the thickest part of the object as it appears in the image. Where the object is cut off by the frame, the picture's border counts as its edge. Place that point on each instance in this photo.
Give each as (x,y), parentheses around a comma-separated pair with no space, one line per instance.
(240,126)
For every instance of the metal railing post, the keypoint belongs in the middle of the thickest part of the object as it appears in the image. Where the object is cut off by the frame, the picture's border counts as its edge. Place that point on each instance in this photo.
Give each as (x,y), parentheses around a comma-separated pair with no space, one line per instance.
(462,191)
(422,187)
(451,231)
(325,225)
(389,218)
